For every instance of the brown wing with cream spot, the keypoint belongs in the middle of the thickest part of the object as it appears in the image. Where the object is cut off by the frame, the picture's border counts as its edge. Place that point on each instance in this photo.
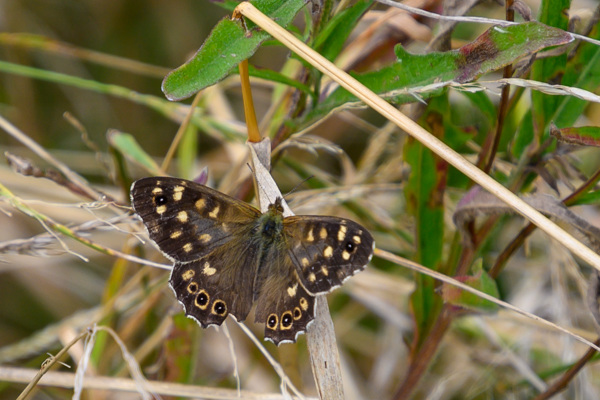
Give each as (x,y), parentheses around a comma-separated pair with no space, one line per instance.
(188,220)
(326,250)
(283,305)
(218,284)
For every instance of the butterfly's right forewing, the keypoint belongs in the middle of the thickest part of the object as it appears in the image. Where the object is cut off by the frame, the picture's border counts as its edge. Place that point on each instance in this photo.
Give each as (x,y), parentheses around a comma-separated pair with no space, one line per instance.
(188,220)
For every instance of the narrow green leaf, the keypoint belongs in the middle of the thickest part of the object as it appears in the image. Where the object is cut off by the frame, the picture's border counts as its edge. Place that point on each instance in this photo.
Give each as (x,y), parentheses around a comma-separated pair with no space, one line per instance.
(581,135)
(424,195)
(582,71)
(187,152)
(274,76)
(551,69)
(177,348)
(331,40)
(227,45)
(130,148)
(588,198)
(524,135)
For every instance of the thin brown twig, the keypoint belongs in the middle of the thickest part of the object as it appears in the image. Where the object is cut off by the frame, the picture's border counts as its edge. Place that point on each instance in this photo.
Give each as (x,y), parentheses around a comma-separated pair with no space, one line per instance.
(47,365)
(568,376)
(488,154)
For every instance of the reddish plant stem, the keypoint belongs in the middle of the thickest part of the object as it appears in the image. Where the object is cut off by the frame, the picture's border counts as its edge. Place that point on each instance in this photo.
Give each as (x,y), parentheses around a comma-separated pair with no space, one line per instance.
(489,150)
(563,381)
(422,360)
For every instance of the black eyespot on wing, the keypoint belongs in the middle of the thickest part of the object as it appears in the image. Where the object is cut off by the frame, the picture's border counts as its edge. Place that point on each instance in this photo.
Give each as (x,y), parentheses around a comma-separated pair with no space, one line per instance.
(160,200)
(286,320)
(219,307)
(193,287)
(350,246)
(285,308)
(272,321)
(202,299)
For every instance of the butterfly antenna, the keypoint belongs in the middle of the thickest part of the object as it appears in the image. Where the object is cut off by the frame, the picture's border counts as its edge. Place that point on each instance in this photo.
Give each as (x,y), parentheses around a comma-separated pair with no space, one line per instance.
(297,186)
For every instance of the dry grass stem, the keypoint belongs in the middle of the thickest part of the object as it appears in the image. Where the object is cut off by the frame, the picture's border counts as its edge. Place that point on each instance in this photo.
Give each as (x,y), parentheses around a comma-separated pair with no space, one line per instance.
(116,385)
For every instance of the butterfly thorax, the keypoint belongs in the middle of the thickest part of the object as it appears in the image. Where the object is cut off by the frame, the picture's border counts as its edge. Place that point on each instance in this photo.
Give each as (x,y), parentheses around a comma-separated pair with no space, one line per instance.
(270,224)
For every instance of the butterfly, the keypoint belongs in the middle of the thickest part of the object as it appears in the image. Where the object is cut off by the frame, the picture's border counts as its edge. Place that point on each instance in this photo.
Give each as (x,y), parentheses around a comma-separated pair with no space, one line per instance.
(228,255)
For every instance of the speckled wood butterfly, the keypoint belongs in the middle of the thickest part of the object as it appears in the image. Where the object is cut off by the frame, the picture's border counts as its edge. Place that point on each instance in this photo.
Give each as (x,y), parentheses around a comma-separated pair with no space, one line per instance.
(228,255)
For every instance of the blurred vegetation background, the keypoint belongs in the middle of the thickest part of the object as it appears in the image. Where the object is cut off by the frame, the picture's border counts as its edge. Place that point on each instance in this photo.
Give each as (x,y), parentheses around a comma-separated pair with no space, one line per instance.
(51,287)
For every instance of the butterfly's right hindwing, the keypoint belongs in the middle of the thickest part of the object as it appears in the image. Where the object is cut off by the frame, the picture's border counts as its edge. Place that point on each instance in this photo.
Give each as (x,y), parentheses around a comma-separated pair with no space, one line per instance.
(188,220)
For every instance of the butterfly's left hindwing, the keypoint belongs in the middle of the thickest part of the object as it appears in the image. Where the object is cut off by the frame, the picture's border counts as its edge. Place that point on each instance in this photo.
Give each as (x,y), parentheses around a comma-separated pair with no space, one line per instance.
(188,220)
(217,285)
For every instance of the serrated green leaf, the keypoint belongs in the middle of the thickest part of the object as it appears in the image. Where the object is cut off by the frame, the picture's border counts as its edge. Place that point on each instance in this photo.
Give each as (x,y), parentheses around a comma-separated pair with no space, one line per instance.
(494,49)
(227,45)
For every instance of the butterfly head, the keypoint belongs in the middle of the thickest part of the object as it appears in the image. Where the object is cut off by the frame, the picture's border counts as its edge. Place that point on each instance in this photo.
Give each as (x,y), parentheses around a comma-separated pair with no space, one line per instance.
(277,207)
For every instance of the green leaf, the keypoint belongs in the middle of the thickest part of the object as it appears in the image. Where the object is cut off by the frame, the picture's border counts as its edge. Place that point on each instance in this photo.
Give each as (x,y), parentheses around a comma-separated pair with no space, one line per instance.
(480,281)
(227,45)
(130,148)
(581,135)
(178,348)
(187,152)
(550,69)
(330,41)
(424,195)
(588,198)
(524,135)
(582,71)
(274,76)
(494,49)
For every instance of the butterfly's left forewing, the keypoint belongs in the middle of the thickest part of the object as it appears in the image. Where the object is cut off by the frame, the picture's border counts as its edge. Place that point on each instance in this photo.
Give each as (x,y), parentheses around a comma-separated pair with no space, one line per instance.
(188,220)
